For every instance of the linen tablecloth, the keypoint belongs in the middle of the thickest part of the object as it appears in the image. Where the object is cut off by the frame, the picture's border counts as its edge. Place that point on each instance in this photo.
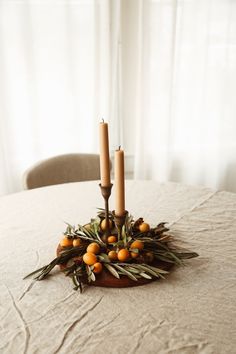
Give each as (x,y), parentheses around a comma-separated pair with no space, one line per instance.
(193,311)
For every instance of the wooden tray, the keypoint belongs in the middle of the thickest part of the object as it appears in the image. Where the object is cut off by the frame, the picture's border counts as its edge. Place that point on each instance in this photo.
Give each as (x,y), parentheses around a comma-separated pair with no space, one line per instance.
(106,279)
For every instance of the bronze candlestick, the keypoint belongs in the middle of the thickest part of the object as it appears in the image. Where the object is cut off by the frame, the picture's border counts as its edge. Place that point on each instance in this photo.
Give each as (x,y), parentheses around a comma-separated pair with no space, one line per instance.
(106,192)
(119,221)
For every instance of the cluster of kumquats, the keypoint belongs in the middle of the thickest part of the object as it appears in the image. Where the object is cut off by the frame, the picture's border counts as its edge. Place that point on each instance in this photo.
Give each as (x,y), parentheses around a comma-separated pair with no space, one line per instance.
(116,250)
(85,251)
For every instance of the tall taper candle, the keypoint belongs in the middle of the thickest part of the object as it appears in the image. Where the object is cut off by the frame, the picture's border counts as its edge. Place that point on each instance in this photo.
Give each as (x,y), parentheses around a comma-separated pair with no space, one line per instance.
(104,155)
(119,183)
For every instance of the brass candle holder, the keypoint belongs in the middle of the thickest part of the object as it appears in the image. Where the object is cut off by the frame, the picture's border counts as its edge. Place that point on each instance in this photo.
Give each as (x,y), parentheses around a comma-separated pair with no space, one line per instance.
(119,221)
(106,192)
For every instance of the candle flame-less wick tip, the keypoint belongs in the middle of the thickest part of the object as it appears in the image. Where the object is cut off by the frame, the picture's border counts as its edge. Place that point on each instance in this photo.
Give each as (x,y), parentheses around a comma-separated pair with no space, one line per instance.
(102,120)
(119,147)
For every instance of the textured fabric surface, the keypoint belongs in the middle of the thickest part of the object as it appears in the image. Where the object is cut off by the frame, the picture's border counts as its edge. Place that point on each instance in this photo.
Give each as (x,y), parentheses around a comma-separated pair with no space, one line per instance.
(191,312)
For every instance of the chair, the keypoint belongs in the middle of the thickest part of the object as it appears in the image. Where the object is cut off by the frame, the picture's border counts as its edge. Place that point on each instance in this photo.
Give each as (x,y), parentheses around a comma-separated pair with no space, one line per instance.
(62,169)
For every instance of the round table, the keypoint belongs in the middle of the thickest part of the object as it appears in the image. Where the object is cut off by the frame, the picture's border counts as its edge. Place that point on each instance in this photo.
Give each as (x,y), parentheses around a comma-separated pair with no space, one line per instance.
(193,311)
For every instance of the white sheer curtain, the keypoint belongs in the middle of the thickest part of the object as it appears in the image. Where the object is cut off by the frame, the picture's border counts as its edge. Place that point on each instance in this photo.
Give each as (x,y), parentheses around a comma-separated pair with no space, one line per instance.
(162,72)
(58,77)
(186,129)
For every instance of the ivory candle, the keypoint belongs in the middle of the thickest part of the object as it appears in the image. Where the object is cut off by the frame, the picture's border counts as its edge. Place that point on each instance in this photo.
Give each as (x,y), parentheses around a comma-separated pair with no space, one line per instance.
(119,183)
(104,155)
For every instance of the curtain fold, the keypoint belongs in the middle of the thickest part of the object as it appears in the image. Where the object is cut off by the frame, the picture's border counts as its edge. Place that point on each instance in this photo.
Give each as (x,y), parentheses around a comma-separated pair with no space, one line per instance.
(161,72)
(58,79)
(187,124)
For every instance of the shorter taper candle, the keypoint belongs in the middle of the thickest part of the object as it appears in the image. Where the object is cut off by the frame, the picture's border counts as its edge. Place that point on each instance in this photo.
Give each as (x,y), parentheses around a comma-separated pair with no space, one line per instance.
(119,183)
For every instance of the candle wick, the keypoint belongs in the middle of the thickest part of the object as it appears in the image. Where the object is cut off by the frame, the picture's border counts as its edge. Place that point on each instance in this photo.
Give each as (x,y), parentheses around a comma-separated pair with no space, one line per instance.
(119,147)
(102,120)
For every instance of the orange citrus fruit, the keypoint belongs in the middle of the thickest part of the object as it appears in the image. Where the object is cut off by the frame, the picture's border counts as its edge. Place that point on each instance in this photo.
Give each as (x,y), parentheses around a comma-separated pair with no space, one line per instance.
(144,227)
(123,255)
(134,255)
(112,255)
(104,225)
(66,242)
(89,258)
(111,239)
(137,244)
(76,242)
(93,248)
(97,267)
(87,227)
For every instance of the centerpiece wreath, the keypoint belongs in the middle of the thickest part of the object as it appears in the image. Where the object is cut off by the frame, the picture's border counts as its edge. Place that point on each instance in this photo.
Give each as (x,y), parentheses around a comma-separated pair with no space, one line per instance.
(131,255)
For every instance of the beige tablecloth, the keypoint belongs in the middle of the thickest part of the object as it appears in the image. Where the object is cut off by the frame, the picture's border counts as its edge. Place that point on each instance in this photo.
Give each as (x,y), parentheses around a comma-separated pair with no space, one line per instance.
(191,312)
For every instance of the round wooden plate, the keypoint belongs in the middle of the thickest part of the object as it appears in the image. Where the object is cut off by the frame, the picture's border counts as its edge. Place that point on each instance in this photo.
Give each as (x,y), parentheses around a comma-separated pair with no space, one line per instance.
(106,279)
